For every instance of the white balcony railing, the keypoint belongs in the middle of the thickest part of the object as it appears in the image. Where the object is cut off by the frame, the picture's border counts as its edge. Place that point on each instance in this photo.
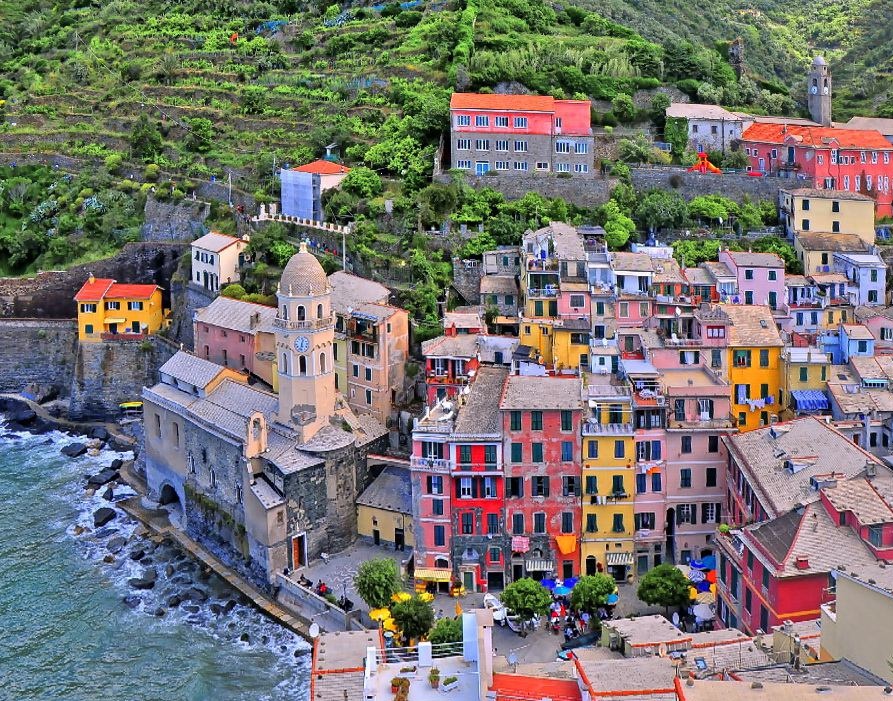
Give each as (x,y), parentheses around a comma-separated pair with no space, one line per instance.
(431,464)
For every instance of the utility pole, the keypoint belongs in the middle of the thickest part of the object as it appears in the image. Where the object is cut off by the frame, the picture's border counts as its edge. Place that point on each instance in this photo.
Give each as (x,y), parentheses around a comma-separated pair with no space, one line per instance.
(230,181)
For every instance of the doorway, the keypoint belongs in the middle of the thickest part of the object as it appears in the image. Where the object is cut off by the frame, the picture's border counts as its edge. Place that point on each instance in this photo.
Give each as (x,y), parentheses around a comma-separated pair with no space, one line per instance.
(495,581)
(590,565)
(376,536)
(670,532)
(517,572)
(298,551)
(567,569)
(399,539)
(468,580)
(113,328)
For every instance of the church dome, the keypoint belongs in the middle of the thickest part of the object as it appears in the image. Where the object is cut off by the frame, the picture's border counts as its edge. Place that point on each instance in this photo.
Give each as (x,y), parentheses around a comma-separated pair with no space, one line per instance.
(819,61)
(303,275)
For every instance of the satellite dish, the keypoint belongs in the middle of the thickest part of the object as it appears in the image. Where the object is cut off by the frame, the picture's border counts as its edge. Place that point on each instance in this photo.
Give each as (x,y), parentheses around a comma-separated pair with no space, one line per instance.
(314,630)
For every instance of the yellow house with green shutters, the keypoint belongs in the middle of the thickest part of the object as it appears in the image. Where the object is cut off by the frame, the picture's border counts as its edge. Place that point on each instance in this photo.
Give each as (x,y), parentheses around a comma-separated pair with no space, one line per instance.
(754,348)
(108,309)
(608,482)
(802,370)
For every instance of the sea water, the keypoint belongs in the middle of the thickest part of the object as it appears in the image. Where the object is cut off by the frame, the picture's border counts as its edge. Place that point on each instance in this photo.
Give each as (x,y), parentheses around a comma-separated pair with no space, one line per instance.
(73,629)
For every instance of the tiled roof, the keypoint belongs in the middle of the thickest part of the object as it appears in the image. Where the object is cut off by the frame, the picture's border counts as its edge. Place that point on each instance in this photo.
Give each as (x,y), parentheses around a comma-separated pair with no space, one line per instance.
(667,271)
(106,288)
(863,312)
(698,276)
(828,194)
(93,291)
(842,673)
(808,442)
(521,103)
(826,241)
(706,690)
(215,242)
(461,346)
(463,320)
(191,369)
(862,401)
(857,332)
(868,368)
(498,284)
(821,137)
(480,414)
(391,490)
(717,269)
(631,262)
(751,325)
(630,674)
(350,291)
(884,126)
(748,259)
(860,496)
(321,167)
(687,110)
(544,393)
(236,315)
(567,243)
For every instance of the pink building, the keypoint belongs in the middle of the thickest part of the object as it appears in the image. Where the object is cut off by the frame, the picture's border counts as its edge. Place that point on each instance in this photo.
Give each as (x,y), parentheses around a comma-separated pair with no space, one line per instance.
(879,321)
(449,360)
(760,276)
(232,333)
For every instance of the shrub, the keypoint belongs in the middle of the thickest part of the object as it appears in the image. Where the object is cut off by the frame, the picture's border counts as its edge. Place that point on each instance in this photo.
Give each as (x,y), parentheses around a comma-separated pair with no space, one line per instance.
(623,108)
(113,162)
(152,172)
(377,581)
(234,291)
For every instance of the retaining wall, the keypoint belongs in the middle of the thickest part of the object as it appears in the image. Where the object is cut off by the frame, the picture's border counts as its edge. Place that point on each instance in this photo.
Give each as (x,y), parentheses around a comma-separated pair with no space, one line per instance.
(690,185)
(37,354)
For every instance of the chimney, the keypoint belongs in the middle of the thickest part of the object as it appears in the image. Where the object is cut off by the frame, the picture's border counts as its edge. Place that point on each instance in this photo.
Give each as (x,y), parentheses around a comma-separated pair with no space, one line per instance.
(91,279)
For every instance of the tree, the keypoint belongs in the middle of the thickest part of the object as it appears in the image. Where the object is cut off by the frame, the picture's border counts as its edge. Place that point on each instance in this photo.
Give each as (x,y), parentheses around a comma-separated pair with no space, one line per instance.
(666,586)
(637,150)
(661,208)
(712,207)
(592,591)
(446,630)
(233,291)
(526,598)
(201,133)
(145,138)
(413,617)
(658,109)
(618,226)
(376,581)
(362,182)
(623,107)
(254,99)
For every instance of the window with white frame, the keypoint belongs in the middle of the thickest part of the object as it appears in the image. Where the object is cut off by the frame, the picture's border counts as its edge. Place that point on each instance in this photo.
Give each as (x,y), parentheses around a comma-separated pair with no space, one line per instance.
(502,144)
(562,167)
(868,182)
(558,122)
(502,165)
(820,159)
(562,147)
(863,157)
(463,144)
(886,157)
(775,153)
(520,122)
(463,120)
(502,121)
(708,513)
(542,165)
(581,147)
(874,156)
(521,165)
(581,168)
(846,182)
(463,165)
(482,144)
(465,488)
(135,306)
(520,147)
(858,183)
(482,120)
(834,156)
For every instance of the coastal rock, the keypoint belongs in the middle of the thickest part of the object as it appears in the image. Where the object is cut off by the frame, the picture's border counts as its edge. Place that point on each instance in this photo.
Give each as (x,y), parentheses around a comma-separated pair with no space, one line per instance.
(79,529)
(196,594)
(229,606)
(108,494)
(90,492)
(216,608)
(245,638)
(191,608)
(116,544)
(40,426)
(119,444)
(132,601)
(94,443)
(160,612)
(104,477)
(150,574)
(117,464)
(137,554)
(74,450)
(23,416)
(169,571)
(99,433)
(174,601)
(108,559)
(103,516)
(141,583)
(104,532)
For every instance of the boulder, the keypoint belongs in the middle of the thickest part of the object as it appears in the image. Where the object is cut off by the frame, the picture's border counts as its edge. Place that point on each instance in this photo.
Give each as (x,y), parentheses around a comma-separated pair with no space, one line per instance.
(103,516)
(141,583)
(103,477)
(74,450)
(151,574)
(104,532)
(174,601)
(191,608)
(196,594)
(79,529)
(99,433)
(132,601)
(108,559)
(229,606)
(245,638)
(108,494)
(169,571)
(216,608)
(160,612)
(116,544)
(23,416)
(117,464)
(137,554)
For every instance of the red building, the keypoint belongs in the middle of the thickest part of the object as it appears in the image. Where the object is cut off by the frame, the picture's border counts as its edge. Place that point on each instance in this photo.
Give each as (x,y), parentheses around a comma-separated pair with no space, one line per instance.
(541,428)
(449,363)
(825,157)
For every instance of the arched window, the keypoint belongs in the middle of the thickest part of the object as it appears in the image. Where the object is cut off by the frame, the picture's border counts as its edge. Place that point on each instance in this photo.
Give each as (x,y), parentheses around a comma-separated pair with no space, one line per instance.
(322,362)
(285,312)
(284,367)
(301,313)
(302,365)
(319,311)
(441,562)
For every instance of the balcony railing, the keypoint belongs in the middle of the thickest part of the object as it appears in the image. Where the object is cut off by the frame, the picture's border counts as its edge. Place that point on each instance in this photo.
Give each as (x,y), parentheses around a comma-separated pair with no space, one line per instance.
(542,291)
(431,464)
(303,325)
(591,428)
(702,424)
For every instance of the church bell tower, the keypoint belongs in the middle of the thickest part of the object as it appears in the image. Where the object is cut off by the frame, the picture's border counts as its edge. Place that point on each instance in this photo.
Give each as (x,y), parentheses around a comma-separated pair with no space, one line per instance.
(818,96)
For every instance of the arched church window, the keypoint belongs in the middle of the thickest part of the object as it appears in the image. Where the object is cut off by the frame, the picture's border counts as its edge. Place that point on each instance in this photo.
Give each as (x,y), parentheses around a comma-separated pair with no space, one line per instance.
(285,363)
(301,313)
(285,312)
(319,311)
(322,362)
(302,365)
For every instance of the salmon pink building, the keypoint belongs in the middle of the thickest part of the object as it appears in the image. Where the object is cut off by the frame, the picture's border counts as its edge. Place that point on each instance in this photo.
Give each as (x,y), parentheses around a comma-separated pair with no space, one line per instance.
(520,134)
(827,158)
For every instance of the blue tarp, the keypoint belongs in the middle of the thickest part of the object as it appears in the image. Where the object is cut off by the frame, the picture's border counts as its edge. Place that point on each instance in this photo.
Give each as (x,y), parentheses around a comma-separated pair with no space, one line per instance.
(810,399)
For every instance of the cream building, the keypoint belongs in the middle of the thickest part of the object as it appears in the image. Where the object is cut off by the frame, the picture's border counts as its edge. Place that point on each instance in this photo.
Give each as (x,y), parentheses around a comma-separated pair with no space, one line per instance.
(827,211)
(216,259)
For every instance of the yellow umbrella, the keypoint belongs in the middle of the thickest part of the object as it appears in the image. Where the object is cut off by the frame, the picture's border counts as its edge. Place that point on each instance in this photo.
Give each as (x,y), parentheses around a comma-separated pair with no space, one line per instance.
(390,625)
(401,596)
(427,597)
(458,609)
(380,614)
(693,593)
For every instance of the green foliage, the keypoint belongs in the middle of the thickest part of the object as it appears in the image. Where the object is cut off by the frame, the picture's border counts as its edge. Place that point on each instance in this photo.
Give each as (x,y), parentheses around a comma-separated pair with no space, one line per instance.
(201,134)
(735,159)
(413,617)
(476,246)
(592,591)
(113,162)
(676,134)
(665,585)
(362,182)
(376,581)
(693,252)
(254,99)
(618,226)
(658,108)
(661,208)
(446,630)
(623,108)
(526,598)
(145,139)
(713,208)
(233,291)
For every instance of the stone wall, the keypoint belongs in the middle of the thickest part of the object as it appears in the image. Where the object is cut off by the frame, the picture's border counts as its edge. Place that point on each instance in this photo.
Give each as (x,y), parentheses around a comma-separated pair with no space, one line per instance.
(167,221)
(51,294)
(37,352)
(467,280)
(185,300)
(111,372)
(582,191)
(690,185)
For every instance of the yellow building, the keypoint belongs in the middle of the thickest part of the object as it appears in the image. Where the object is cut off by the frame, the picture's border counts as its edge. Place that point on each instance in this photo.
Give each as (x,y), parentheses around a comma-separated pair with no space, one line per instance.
(803,370)
(754,347)
(816,249)
(608,488)
(830,211)
(384,510)
(108,307)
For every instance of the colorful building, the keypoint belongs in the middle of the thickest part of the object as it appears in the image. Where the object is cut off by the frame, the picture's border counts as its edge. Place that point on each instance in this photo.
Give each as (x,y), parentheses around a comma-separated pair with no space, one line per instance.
(449,363)
(108,309)
(520,134)
(302,188)
(816,249)
(217,260)
(804,376)
(827,211)
(384,509)
(759,276)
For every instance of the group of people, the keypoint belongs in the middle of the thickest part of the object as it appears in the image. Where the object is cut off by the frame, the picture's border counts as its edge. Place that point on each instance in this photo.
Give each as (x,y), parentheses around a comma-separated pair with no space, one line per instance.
(574,623)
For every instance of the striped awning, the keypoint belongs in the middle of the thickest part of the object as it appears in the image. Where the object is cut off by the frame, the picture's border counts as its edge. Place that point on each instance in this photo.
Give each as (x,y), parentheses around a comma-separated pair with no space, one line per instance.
(540,565)
(434,574)
(619,559)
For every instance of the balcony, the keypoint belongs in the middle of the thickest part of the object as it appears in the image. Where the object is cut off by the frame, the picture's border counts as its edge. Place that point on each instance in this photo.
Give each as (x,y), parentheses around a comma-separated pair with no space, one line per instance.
(675,342)
(592,428)
(444,465)
(549,291)
(303,325)
(649,398)
(701,424)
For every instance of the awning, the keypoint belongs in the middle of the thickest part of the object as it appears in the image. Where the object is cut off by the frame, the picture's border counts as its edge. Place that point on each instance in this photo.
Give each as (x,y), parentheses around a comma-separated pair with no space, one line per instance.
(434,574)
(540,565)
(619,559)
(810,399)
(566,543)
(116,321)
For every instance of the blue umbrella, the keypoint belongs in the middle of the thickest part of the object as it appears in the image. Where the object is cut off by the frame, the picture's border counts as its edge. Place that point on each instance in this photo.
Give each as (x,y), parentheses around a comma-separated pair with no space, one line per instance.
(612,599)
(571,582)
(548,583)
(561,591)
(709,562)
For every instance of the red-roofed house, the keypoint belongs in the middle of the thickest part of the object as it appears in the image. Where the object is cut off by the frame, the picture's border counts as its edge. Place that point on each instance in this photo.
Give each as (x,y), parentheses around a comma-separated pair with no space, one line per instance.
(302,188)
(829,158)
(520,134)
(106,307)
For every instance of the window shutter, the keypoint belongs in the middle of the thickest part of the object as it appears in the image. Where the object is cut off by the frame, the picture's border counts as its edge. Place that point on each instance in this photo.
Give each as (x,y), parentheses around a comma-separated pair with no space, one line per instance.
(475,487)
(429,484)
(545,486)
(680,519)
(719,512)
(456,483)
(655,450)
(704,513)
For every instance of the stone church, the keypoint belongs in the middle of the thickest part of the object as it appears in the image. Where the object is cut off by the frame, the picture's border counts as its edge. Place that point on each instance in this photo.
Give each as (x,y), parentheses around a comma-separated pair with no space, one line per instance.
(266,481)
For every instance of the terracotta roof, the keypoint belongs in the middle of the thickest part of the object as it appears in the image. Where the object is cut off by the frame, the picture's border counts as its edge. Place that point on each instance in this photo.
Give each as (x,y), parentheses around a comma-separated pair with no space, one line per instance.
(522,103)
(516,686)
(522,392)
(751,325)
(215,242)
(687,110)
(748,259)
(631,262)
(106,288)
(821,137)
(322,167)
(827,194)
(94,290)
(826,241)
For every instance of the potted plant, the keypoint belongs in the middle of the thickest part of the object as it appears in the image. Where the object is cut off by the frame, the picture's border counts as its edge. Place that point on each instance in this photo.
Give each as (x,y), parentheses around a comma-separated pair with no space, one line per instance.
(434,677)
(450,683)
(724,529)
(396,683)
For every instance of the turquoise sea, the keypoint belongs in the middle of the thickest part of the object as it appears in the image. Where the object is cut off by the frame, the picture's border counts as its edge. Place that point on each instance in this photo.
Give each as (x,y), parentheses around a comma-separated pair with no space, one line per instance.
(66,631)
